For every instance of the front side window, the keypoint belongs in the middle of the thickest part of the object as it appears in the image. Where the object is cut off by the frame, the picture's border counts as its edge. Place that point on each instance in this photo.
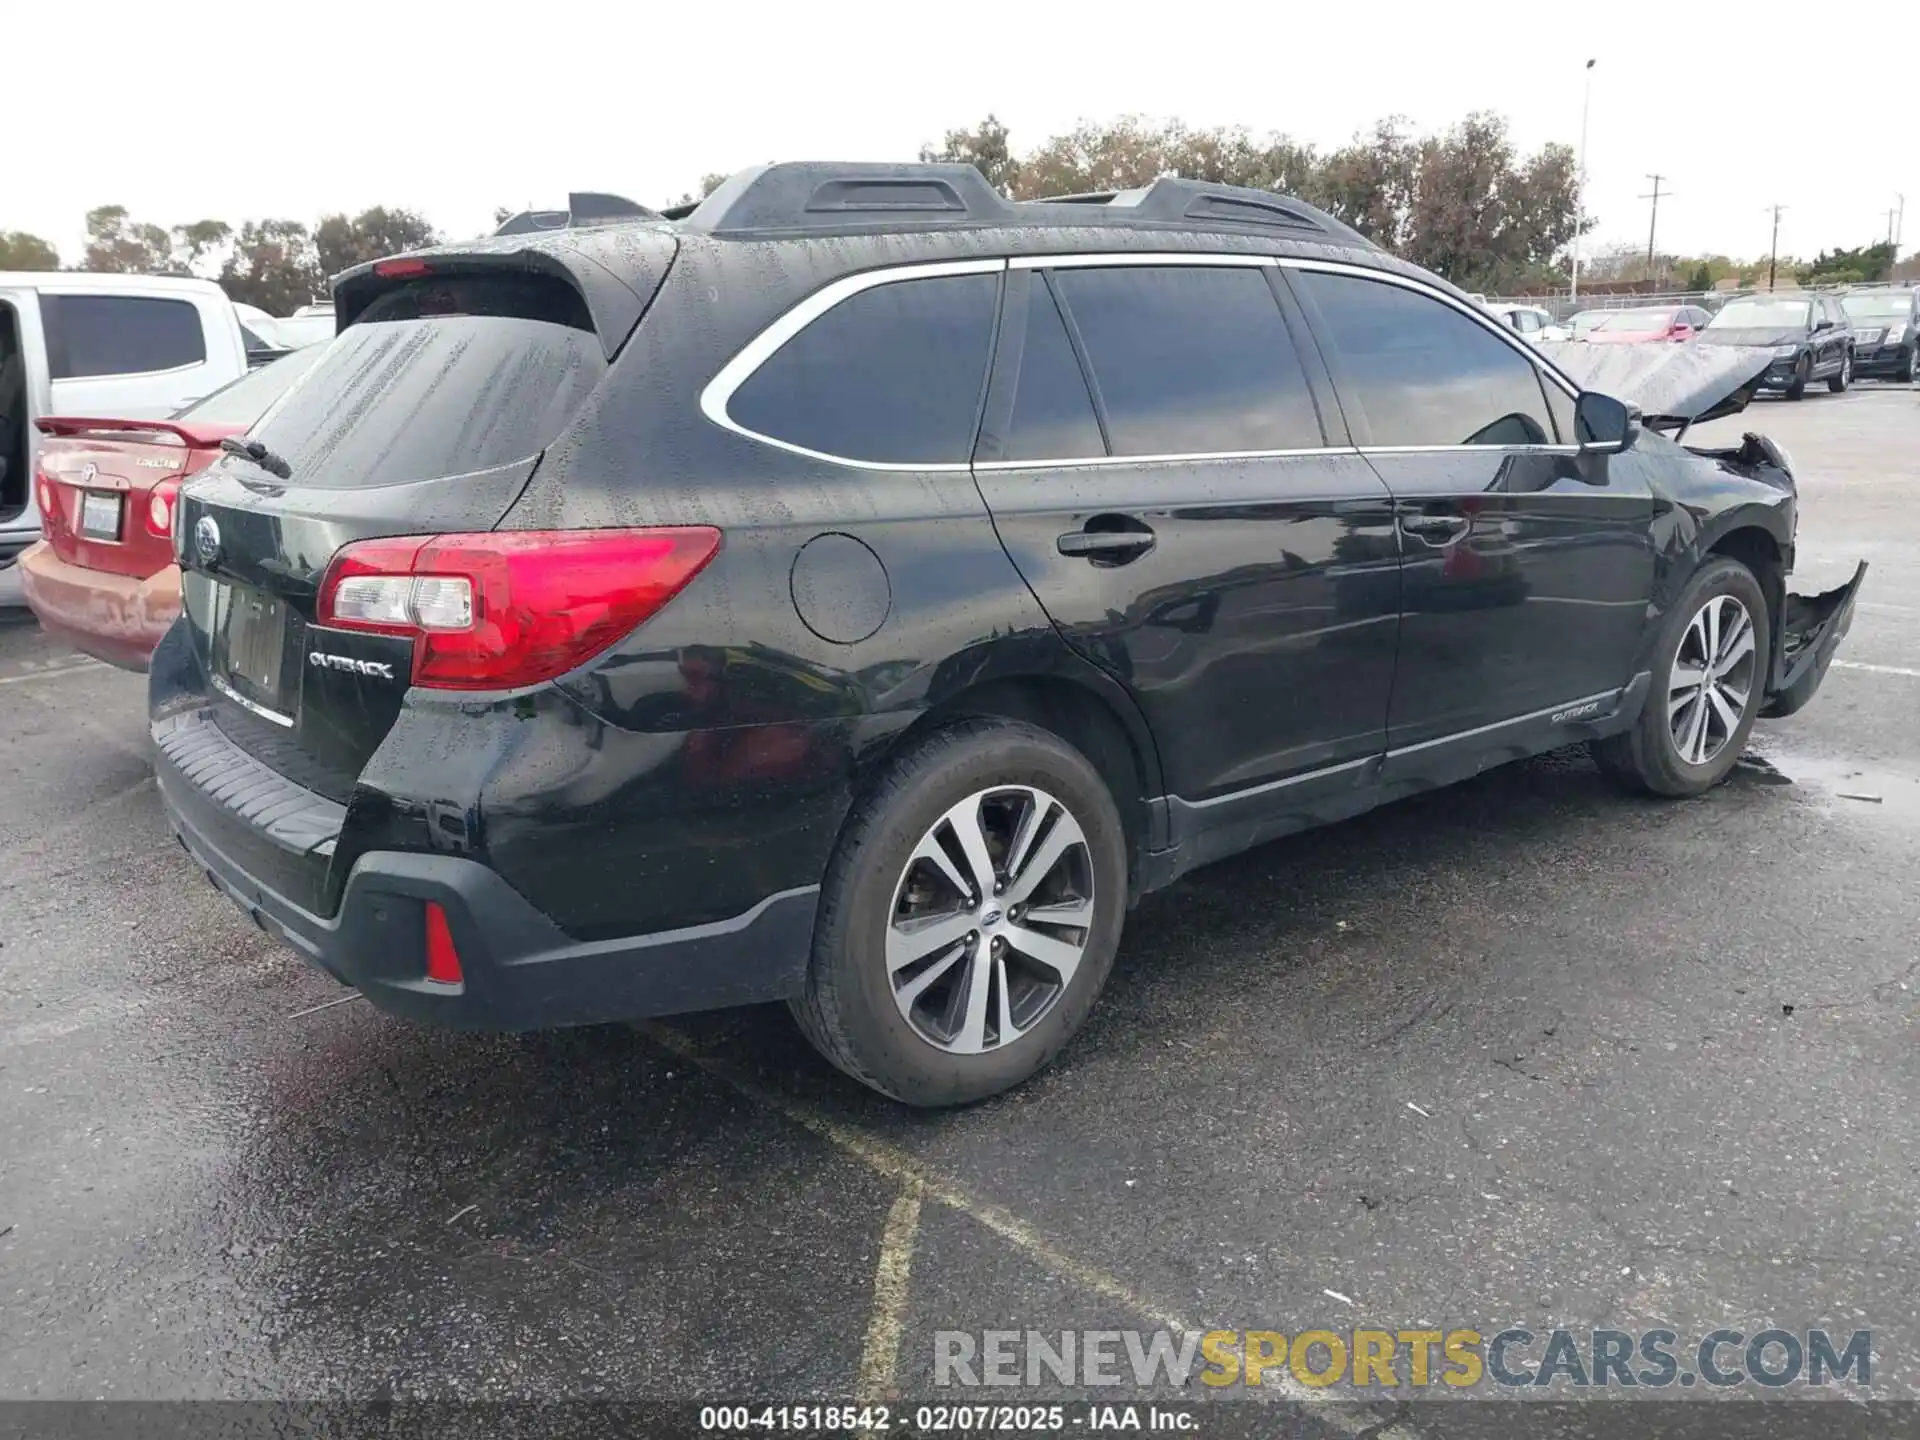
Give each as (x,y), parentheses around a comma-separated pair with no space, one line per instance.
(891,375)
(91,335)
(1190,359)
(1423,374)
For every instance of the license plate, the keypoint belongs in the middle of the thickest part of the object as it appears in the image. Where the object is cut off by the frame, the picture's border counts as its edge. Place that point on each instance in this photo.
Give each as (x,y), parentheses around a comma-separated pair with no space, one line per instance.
(248,631)
(99,515)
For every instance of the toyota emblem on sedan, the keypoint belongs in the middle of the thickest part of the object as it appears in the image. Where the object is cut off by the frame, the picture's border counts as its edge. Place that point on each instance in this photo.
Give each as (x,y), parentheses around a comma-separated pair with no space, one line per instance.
(206,540)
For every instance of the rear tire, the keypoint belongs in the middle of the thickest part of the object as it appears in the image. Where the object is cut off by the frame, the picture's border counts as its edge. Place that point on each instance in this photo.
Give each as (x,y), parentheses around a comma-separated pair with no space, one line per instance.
(1838,384)
(1709,679)
(983,1006)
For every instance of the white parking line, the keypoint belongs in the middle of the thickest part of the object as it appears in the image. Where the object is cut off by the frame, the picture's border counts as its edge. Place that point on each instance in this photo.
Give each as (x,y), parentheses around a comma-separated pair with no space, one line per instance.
(1877,669)
(893,1163)
(890,1278)
(51,671)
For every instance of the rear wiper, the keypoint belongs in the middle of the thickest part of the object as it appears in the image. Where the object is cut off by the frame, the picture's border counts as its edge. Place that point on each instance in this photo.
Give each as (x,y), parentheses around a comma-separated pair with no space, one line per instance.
(259,454)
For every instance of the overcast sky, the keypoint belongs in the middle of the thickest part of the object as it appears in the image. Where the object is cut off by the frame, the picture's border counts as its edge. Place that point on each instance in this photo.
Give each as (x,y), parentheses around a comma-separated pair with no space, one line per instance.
(241,109)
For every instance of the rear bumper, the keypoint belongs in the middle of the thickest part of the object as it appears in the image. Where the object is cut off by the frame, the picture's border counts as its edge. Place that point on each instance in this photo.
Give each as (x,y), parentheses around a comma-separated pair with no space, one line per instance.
(520,971)
(116,618)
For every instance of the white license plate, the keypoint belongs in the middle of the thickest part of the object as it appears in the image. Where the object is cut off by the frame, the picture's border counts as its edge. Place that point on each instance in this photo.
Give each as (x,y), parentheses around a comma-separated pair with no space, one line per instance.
(100,515)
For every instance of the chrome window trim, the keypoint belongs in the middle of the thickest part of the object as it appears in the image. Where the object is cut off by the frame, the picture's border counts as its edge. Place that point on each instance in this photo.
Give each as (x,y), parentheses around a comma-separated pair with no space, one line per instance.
(1111,259)
(1181,458)
(718,393)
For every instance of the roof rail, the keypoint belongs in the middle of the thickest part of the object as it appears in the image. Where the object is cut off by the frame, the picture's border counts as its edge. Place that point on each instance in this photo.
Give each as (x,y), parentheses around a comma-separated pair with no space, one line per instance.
(827,198)
(584,208)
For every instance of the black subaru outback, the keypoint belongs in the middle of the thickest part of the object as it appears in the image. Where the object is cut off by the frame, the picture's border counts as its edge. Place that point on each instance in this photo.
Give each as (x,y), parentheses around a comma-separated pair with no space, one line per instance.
(859,591)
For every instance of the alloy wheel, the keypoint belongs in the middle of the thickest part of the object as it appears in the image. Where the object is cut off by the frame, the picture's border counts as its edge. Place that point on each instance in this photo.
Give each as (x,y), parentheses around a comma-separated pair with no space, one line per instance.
(1711,680)
(990,919)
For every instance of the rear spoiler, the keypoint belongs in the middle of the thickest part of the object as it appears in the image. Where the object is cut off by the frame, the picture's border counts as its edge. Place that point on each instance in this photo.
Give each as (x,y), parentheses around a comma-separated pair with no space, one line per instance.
(615,268)
(203,437)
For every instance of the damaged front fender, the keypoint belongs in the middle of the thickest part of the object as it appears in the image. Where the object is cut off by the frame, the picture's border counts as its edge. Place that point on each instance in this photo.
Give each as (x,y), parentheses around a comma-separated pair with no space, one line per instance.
(1811,629)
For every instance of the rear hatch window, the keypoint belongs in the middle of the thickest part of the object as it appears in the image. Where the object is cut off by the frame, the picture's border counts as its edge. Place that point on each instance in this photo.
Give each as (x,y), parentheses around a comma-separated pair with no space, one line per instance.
(439,377)
(425,415)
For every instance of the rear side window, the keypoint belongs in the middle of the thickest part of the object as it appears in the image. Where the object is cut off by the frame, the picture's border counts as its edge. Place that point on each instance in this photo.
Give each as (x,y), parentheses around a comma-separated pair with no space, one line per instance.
(1422,373)
(89,335)
(1053,415)
(247,399)
(438,377)
(1190,360)
(891,375)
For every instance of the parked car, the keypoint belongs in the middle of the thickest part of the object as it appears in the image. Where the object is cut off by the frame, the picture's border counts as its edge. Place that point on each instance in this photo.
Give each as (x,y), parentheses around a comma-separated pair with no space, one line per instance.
(1531,322)
(870,586)
(1808,335)
(1886,331)
(103,578)
(1654,323)
(137,346)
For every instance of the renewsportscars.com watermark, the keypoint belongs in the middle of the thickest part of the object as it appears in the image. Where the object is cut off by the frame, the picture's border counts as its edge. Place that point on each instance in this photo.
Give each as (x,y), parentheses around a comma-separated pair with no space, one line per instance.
(1378,1359)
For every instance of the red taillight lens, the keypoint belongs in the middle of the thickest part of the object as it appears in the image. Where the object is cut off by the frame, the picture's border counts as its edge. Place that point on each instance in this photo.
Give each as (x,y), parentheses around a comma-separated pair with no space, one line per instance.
(404,269)
(443,961)
(504,609)
(160,509)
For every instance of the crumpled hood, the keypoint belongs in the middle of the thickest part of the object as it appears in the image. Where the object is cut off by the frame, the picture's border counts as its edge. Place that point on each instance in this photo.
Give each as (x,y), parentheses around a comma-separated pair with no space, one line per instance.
(1673,385)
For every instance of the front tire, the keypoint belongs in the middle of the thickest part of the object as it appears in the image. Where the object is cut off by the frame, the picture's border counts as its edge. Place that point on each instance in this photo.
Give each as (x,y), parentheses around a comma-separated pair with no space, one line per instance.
(1709,678)
(1838,383)
(969,917)
(1910,367)
(1798,389)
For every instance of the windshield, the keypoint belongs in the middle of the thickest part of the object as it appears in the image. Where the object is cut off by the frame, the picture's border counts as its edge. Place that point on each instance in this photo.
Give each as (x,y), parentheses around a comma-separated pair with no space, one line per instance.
(247,399)
(1761,312)
(1884,305)
(1588,320)
(1641,320)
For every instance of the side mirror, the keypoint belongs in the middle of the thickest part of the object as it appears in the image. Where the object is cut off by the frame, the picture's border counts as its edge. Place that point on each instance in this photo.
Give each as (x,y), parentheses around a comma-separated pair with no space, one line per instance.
(1823,325)
(1603,424)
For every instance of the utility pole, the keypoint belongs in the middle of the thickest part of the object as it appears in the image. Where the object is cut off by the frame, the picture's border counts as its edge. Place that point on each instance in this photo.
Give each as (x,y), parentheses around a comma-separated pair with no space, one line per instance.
(1654,218)
(1773,256)
(1580,187)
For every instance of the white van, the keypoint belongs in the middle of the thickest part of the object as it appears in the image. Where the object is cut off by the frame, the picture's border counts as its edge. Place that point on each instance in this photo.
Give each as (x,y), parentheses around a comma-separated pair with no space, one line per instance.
(119,347)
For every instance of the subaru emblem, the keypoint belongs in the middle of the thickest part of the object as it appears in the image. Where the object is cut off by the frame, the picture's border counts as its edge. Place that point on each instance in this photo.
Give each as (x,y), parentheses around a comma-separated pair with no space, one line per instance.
(206,540)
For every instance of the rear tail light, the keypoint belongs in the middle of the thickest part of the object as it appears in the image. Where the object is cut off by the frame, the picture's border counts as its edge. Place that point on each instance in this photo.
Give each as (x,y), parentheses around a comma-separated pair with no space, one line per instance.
(443,961)
(504,609)
(160,508)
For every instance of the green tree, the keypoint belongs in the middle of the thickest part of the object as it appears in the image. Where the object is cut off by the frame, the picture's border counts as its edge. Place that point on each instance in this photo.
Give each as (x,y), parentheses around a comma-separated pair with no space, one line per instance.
(708,184)
(202,242)
(1839,267)
(340,243)
(985,147)
(273,265)
(21,251)
(115,242)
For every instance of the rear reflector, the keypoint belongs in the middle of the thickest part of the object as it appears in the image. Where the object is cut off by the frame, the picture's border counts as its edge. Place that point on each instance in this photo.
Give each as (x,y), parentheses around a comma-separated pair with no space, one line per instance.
(499,610)
(443,961)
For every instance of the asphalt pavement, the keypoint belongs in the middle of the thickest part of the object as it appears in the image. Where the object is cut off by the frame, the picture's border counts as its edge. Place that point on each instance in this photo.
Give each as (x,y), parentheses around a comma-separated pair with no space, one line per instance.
(1524,1052)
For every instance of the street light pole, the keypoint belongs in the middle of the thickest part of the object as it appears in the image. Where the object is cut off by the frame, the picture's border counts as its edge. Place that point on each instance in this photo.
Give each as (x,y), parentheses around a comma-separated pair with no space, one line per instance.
(1580,187)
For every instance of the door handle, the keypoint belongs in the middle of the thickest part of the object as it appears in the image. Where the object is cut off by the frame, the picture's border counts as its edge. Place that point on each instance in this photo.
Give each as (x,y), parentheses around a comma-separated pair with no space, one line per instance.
(1434,527)
(1110,545)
